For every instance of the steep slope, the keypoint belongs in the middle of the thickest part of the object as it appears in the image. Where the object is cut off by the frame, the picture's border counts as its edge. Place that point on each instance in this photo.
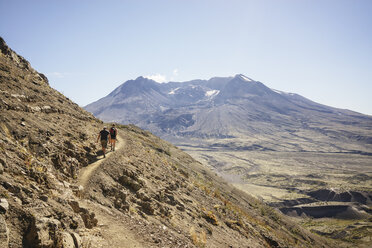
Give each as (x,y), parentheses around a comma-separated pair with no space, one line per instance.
(45,140)
(146,194)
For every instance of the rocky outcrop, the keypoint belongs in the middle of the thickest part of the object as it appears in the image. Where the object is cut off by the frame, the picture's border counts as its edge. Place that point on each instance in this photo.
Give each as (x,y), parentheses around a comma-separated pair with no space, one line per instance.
(88,217)
(43,232)
(4,205)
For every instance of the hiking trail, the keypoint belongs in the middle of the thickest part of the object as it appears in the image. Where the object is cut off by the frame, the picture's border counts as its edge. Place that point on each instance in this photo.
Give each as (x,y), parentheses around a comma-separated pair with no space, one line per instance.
(86,172)
(113,229)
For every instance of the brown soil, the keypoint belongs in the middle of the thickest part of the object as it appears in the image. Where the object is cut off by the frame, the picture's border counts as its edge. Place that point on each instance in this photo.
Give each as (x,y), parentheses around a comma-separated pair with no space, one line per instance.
(113,229)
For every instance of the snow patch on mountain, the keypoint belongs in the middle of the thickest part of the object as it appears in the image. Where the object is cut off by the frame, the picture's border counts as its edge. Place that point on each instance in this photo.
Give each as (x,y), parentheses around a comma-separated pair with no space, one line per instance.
(212,93)
(245,78)
(162,108)
(283,93)
(278,91)
(173,91)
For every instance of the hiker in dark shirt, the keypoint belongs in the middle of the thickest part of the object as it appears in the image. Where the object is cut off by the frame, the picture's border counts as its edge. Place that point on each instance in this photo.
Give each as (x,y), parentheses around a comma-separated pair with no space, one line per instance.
(105,137)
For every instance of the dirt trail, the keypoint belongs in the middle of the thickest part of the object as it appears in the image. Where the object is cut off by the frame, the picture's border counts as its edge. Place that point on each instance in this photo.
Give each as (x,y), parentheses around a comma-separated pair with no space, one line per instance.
(112,230)
(86,172)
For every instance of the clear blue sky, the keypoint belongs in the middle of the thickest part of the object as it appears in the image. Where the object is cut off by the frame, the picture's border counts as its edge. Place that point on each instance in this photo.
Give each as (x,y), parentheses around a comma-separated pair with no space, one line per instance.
(321,49)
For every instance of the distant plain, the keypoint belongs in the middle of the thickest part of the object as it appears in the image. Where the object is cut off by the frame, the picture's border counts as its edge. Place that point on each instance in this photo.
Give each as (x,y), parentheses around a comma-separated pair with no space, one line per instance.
(275,176)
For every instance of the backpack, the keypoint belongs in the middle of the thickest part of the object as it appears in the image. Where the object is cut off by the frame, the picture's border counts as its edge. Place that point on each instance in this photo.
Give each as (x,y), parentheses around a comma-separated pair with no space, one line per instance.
(113,131)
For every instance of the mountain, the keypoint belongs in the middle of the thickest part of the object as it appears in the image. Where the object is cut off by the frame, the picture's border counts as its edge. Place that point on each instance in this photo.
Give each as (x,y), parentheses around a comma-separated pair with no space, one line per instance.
(233,107)
(56,190)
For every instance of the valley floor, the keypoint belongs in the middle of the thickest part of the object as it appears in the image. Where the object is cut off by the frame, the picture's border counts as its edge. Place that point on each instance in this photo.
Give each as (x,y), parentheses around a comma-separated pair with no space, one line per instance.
(289,179)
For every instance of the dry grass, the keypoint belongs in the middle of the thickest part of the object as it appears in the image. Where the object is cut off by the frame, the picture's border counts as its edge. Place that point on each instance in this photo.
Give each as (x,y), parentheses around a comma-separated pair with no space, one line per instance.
(211,218)
(198,239)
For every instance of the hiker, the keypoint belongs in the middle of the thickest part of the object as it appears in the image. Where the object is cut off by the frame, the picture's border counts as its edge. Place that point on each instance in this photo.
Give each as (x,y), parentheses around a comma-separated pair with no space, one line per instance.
(104,135)
(113,134)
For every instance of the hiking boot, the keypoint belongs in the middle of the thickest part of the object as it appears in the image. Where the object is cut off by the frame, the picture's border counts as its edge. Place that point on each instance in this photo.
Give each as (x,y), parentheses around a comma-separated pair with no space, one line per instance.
(104,155)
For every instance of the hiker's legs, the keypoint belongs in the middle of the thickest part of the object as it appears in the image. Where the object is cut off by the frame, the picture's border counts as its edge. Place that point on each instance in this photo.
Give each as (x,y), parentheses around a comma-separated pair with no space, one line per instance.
(104,145)
(113,141)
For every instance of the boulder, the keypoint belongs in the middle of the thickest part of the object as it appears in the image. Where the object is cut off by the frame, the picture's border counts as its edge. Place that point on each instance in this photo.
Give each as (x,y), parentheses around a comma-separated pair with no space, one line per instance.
(122,195)
(73,165)
(169,198)
(2,165)
(4,205)
(143,196)
(164,210)
(75,206)
(57,160)
(147,207)
(43,232)
(44,198)
(35,109)
(78,190)
(67,240)
(44,78)
(69,144)
(47,109)
(89,218)
(130,183)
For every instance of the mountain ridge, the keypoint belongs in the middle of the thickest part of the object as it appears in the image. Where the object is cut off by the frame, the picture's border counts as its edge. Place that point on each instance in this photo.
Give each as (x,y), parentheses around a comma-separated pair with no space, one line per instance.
(257,109)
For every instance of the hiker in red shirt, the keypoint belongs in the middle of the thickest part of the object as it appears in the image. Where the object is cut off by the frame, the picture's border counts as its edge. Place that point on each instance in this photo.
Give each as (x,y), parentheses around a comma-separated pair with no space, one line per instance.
(113,134)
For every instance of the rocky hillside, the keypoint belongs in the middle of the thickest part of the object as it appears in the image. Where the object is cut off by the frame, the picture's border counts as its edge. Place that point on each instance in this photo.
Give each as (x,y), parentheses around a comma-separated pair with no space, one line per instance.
(163,192)
(147,193)
(45,140)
